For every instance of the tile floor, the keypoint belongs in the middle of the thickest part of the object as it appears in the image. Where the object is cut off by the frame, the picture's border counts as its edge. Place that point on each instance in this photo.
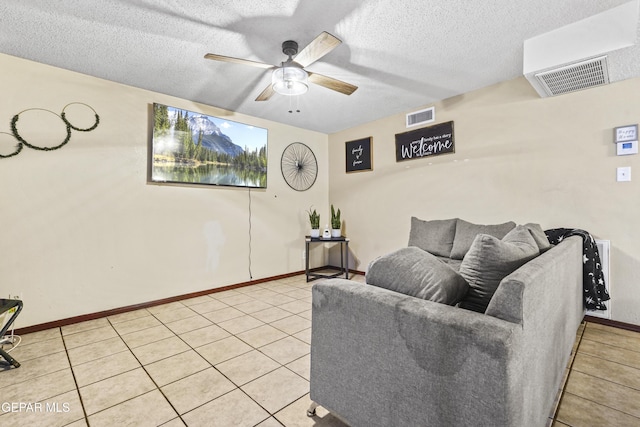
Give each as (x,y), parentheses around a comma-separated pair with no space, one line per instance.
(603,387)
(233,358)
(241,358)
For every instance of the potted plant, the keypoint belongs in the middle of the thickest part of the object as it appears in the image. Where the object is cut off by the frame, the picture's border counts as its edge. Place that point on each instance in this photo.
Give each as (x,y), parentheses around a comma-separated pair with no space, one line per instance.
(336,223)
(314,221)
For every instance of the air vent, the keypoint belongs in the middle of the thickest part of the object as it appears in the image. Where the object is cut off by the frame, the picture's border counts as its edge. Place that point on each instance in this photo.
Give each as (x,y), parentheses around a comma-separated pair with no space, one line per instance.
(573,77)
(427,115)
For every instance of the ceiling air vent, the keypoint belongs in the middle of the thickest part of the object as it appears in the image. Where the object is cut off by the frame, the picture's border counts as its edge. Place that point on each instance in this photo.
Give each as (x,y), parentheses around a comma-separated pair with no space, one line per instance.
(573,77)
(427,115)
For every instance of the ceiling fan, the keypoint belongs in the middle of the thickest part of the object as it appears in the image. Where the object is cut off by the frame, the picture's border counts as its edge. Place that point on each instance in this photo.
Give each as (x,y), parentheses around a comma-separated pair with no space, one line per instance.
(290,77)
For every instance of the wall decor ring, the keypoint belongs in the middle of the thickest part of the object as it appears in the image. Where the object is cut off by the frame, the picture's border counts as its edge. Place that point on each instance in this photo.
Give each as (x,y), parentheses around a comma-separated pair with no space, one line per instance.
(14,130)
(68,126)
(19,147)
(64,118)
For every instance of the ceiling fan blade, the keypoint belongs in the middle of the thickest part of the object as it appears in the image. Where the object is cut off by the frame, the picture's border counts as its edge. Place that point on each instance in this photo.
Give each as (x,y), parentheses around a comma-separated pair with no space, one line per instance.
(266,94)
(238,61)
(318,48)
(333,84)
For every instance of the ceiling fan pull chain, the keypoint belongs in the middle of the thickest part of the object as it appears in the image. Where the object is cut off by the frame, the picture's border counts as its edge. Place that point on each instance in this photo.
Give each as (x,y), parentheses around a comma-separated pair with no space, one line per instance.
(297,104)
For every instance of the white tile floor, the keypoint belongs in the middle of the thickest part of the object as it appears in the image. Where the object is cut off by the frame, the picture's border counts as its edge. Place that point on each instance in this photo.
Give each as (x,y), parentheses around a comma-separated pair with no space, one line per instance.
(232,358)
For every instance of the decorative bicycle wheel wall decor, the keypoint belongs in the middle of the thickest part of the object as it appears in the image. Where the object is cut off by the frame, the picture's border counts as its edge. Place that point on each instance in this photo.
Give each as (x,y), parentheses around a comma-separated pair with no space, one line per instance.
(299,166)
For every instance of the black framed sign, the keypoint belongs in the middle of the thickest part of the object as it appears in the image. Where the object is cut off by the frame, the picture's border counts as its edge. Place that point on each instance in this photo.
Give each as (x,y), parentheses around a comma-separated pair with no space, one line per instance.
(358,155)
(428,141)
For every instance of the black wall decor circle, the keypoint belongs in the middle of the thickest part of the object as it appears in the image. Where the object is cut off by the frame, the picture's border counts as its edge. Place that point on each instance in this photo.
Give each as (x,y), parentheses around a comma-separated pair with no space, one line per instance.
(299,166)
(22,142)
(19,146)
(14,130)
(89,129)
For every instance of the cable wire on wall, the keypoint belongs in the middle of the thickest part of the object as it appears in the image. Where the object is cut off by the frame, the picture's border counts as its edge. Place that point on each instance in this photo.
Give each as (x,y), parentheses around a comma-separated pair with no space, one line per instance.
(250,275)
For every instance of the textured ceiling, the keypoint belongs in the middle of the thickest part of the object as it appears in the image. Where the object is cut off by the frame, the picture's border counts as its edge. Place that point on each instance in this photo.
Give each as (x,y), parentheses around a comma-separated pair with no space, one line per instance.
(401,54)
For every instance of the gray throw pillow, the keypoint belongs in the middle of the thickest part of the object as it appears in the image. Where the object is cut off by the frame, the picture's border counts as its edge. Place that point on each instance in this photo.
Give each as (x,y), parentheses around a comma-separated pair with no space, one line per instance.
(466,232)
(538,235)
(435,237)
(412,271)
(489,260)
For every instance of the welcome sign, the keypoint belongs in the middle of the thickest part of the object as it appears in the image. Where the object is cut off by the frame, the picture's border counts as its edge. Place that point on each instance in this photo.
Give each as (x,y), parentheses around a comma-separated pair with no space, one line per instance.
(429,141)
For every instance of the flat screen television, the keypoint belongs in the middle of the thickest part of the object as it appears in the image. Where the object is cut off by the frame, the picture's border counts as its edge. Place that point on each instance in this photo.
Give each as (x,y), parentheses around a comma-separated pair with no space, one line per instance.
(194,148)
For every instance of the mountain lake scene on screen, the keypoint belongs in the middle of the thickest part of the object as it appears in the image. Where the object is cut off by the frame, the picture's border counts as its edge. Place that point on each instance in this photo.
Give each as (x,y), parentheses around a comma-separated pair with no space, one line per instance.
(194,148)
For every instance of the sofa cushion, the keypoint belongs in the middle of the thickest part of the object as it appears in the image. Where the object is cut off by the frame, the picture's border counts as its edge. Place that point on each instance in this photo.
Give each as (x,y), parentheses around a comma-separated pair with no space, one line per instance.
(453,263)
(435,237)
(466,232)
(418,273)
(538,235)
(489,260)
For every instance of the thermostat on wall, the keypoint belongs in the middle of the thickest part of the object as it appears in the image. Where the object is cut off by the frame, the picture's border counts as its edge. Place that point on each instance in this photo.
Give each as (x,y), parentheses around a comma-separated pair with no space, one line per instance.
(626,148)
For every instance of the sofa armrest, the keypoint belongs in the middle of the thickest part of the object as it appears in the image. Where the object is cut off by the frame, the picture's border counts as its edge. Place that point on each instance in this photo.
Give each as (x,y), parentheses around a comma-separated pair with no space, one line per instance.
(545,296)
(382,358)
(554,277)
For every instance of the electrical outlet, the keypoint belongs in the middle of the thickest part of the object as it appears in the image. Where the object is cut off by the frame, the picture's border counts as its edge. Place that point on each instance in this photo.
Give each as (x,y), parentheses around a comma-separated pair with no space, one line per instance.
(304,254)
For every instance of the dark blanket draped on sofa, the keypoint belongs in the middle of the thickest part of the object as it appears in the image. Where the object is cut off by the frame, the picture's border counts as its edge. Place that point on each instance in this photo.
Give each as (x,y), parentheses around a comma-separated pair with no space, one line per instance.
(595,292)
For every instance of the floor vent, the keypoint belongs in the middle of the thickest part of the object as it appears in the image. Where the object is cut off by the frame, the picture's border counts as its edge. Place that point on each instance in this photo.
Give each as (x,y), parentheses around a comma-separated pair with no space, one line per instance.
(427,115)
(574,77)
(604,249)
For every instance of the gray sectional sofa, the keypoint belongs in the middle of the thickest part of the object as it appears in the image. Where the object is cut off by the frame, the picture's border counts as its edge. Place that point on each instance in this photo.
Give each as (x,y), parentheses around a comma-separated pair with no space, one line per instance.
(383,357)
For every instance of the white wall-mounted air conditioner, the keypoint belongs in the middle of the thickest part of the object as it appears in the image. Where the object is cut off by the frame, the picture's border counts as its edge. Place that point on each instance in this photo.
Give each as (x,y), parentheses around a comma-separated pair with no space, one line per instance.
(579,55)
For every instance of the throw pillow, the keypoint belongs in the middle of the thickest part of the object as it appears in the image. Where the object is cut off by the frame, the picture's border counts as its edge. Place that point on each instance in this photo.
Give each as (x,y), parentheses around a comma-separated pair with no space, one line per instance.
(466,232)
(538,235)
(418,273)
(489,260)
(435,237)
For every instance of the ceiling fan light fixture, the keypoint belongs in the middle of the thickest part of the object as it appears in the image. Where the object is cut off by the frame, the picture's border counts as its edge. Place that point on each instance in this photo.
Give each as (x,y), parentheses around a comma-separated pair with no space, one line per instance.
(290,80)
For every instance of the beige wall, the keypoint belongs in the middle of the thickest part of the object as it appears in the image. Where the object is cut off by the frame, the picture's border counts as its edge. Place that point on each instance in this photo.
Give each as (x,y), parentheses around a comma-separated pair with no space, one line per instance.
(518,157)
(84,232)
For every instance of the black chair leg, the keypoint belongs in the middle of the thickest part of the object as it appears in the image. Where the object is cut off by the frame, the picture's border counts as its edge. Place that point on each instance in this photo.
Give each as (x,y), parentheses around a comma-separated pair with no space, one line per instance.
(5,306)
(9,359)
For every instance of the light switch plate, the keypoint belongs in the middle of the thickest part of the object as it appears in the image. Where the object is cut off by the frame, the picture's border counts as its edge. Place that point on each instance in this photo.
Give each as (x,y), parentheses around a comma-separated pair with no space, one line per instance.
(624,174)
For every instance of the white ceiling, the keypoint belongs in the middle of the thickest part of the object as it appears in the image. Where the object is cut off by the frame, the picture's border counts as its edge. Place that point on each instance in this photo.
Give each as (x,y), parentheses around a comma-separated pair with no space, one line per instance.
(401,54)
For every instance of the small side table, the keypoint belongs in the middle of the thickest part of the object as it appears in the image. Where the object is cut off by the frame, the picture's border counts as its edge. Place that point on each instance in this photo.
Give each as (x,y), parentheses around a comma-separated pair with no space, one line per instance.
(344,263)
